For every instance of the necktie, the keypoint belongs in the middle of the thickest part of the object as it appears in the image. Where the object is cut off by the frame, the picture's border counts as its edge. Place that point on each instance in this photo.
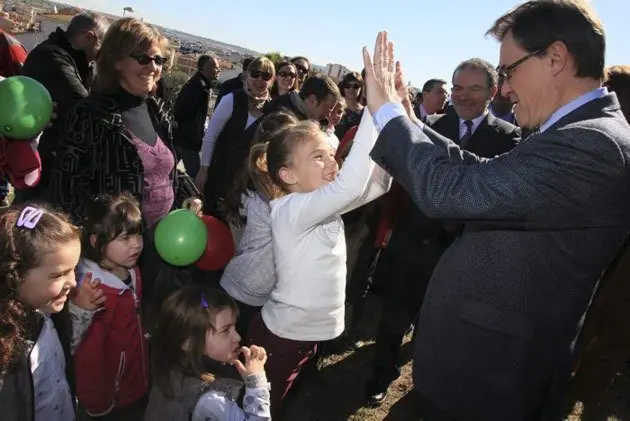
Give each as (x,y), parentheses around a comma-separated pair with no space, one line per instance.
(467,135)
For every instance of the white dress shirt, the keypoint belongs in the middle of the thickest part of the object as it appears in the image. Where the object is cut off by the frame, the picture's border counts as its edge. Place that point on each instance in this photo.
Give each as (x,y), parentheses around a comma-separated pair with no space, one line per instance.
(476,122)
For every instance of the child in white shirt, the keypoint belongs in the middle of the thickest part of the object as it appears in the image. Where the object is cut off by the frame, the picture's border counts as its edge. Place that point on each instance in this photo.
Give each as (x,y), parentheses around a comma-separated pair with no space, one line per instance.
(306,305)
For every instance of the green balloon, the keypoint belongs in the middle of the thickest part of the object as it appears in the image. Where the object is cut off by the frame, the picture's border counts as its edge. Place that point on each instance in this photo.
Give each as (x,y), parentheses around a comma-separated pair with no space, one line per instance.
(181,237)
(25,107)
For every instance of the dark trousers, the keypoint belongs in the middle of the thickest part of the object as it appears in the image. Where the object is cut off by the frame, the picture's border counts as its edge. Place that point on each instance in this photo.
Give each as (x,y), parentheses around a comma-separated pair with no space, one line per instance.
(286,358)
(405,284)
(246,315)
(191,160)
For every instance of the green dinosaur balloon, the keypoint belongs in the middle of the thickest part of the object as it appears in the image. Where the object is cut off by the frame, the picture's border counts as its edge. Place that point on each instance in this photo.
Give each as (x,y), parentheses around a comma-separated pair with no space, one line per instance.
(25,107)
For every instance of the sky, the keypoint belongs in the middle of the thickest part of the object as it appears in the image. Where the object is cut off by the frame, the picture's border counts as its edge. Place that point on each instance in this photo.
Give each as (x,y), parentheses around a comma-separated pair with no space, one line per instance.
(430,37)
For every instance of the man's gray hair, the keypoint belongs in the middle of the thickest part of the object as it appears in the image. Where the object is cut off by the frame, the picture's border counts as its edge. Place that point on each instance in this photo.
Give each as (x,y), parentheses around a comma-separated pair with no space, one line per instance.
(482,65)
(88,22)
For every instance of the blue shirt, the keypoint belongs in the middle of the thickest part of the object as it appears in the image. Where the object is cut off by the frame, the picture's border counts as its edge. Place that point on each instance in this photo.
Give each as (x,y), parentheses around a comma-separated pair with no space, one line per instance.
(391,110)
(572,106)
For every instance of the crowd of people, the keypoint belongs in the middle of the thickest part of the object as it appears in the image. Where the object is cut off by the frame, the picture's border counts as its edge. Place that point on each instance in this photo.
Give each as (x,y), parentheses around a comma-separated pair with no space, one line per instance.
(483,218)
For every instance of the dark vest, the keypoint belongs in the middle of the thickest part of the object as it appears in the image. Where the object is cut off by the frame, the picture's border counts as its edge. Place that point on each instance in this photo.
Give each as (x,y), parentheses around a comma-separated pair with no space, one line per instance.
(230,153)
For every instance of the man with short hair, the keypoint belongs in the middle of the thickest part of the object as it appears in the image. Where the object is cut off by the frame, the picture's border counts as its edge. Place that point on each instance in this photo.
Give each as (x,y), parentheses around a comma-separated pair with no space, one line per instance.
(314,101)
(434,96)
(191,110)
(234,84)
(543,221)
(62,65)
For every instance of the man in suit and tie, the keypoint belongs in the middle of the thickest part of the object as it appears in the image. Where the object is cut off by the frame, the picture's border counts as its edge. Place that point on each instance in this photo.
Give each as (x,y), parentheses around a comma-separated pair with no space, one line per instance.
(543,221)
(417,241)
(434,96)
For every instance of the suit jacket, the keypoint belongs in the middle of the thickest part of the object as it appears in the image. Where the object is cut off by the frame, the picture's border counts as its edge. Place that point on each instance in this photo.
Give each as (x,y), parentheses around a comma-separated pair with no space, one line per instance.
(414,232)
(505,300)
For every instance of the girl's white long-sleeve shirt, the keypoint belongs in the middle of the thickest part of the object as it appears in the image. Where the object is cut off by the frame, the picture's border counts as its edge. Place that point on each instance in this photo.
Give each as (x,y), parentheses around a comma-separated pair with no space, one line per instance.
(307,302)
(221,115)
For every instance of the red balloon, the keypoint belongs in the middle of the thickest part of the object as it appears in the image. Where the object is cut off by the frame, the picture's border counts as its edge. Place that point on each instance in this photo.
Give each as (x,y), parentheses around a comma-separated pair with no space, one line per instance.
(220,246)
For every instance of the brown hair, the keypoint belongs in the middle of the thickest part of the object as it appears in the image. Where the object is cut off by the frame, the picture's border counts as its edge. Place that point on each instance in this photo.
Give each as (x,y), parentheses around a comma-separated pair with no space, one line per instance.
(618,81)
(347,79)
(107,217)
(21,250)
(253,173)
(179,341)
(279,66)
(277,153)
(537,24)
(123,38)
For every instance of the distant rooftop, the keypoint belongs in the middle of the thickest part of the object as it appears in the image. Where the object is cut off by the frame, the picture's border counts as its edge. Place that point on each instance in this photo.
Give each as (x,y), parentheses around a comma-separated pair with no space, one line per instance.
(58,17)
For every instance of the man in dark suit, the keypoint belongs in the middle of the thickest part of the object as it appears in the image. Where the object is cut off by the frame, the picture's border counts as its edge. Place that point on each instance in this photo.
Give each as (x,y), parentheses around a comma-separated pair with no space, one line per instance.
(417,241)
(542,221)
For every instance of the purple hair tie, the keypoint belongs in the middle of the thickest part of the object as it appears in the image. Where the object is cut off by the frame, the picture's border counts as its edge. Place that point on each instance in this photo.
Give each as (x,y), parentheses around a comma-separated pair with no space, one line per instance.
(29,217)
(204,302)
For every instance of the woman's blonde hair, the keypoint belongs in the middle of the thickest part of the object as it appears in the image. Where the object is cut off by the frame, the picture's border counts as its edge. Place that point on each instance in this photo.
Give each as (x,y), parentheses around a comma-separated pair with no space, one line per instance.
(124,37)
(262,64)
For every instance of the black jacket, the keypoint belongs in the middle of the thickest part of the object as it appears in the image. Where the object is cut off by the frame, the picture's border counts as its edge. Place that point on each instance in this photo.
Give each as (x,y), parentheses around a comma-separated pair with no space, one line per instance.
(190,112)
(66,73)
(229,86)
(96,155)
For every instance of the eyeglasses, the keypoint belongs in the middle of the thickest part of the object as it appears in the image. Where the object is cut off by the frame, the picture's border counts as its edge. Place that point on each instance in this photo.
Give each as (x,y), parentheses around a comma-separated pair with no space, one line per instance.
(145,59)
(303,70)
(287,74)
(353,86)
(505,71)
(255,74)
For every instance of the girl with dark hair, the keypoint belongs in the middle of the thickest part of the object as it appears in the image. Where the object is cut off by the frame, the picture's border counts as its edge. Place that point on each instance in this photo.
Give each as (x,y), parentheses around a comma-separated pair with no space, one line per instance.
(111,360)
(195,350)
(39,250)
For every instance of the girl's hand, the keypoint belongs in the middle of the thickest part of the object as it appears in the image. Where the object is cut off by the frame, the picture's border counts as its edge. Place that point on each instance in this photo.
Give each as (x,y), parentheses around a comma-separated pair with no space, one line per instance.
(255,359)
(194,205)
(88,295)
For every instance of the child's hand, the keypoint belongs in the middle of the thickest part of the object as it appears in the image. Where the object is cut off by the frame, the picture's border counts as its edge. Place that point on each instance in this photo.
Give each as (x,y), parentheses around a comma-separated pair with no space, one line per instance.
(194,205)
(255,359)
(88,295)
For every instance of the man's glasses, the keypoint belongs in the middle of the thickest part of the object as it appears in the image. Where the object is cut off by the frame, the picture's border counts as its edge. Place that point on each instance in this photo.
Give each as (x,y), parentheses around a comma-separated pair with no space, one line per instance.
(505,71)
(255,74)
(145,59)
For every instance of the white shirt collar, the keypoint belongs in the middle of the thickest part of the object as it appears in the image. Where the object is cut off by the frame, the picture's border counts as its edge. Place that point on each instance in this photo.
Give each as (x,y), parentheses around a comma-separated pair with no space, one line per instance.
(476,122)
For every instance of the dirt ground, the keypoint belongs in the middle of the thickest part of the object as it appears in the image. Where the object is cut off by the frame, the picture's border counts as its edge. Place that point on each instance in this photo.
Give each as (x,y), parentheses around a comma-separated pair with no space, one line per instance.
(336,392)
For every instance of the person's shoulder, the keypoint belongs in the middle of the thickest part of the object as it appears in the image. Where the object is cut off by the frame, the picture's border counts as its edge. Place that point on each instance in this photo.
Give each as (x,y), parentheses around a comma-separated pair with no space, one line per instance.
(435,118)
